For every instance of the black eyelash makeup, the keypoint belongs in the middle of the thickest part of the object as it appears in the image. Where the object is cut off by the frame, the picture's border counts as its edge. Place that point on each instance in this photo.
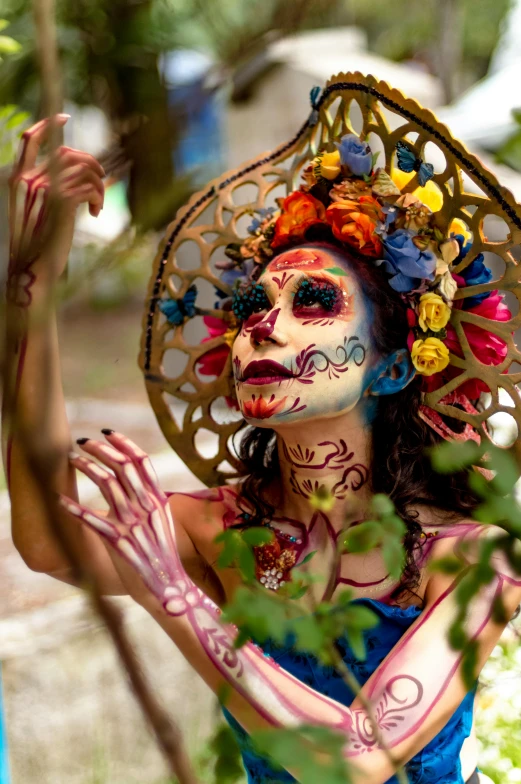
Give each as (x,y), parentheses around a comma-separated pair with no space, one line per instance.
(248,301)
(313,291)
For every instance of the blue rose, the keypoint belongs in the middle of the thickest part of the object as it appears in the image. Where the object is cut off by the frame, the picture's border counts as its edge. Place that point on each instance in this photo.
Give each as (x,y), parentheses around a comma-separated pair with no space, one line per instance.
(474,274)
(407,264)
(464,245)
(355,154)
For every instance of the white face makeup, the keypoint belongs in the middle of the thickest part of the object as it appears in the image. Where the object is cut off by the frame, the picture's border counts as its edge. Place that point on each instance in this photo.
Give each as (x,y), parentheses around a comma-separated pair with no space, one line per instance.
(305,350)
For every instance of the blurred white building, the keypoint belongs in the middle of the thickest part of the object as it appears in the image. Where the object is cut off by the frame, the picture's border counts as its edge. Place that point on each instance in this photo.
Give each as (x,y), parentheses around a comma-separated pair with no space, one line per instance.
(279,87)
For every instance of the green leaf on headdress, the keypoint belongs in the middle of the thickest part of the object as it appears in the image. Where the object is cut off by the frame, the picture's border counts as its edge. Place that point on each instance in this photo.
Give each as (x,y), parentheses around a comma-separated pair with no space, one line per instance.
(336,271)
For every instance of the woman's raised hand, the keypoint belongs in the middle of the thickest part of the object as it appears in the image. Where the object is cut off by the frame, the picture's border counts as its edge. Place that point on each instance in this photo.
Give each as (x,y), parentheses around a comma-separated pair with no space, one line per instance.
(37,232)
(139,526)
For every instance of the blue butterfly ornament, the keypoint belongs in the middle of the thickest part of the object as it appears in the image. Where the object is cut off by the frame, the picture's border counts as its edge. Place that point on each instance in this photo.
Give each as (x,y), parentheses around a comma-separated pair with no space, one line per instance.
(314,97)
(408,161)
(177,310)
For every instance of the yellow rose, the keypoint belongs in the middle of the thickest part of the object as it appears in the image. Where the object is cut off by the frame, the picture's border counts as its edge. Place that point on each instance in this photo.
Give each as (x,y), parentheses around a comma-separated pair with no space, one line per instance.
(328,164)
(429,356)
(430,194)
(433,312)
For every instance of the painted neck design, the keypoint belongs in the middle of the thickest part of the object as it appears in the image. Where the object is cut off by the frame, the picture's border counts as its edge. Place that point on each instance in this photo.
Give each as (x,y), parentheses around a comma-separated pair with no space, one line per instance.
(331,455)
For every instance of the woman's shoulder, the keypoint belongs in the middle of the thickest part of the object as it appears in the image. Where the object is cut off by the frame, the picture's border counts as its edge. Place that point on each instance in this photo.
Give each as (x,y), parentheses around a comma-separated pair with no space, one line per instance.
(461,539)
(209,510)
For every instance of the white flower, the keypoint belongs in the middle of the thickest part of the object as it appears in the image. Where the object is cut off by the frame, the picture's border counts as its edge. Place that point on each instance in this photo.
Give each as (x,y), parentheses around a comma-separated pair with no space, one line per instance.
(447,287)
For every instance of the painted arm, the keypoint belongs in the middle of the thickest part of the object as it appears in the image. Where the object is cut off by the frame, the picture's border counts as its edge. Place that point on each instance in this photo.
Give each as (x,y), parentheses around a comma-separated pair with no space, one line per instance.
(33,404)
(414,691)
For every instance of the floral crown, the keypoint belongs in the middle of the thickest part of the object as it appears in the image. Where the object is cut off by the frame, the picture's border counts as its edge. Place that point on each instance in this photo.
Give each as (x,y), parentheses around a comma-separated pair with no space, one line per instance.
(420,223)
(367,212)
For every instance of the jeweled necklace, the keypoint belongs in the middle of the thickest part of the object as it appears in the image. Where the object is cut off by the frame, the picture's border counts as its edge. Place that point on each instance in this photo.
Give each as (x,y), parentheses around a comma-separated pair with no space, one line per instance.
(276,559)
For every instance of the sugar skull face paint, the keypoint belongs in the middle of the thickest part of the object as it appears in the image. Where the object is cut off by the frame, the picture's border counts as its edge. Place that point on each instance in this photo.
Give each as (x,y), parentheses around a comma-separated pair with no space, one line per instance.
(304,348)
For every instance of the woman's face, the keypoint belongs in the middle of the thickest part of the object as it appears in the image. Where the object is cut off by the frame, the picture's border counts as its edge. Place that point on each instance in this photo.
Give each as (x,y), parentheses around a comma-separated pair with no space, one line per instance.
(304,351)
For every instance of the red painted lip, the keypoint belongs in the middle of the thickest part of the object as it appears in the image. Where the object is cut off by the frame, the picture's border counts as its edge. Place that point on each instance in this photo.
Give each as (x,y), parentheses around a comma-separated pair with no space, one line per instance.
(265,371)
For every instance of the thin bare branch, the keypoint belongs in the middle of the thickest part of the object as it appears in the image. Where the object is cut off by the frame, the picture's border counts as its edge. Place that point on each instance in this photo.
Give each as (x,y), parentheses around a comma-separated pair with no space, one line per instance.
(43,464)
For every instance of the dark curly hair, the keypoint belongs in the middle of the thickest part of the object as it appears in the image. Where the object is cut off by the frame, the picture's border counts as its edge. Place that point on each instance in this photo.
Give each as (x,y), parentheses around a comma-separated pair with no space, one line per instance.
(400,466)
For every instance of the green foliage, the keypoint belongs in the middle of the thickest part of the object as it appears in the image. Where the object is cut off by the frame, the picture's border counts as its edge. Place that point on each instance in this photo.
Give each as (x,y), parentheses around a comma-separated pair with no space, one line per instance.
(7,44)
(12,124)
(312,754)
(262,615)
(402,29)
(498,507)
(227,768)
(12,120)
(238,547)
(386,531)
(258,614)
(448,457)
(510,151)
(497,715)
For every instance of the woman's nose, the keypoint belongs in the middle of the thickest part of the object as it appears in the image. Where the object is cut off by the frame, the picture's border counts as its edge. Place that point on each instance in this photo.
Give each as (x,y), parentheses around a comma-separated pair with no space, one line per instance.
(267,330)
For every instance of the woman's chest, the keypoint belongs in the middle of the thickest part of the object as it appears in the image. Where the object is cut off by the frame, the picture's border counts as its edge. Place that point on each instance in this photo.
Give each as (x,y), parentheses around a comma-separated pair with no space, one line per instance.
(312,556)
(322,573)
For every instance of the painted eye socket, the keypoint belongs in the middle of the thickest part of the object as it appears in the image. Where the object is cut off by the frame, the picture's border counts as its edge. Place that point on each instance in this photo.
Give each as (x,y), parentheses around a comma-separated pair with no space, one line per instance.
(317,292)
(252,300)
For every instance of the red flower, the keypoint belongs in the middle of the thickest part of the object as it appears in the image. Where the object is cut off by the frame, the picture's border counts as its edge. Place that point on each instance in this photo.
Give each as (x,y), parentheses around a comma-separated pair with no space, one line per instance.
(354,222)
(299,212)
(412,318)
(259,408)
(212,363)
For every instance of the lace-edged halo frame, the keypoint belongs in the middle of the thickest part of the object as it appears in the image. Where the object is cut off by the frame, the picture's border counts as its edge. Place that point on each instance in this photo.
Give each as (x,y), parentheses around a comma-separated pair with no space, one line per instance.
(190,407)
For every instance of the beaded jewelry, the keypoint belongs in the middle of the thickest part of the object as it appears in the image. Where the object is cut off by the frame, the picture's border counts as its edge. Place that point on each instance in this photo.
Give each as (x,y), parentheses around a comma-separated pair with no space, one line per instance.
(276,559)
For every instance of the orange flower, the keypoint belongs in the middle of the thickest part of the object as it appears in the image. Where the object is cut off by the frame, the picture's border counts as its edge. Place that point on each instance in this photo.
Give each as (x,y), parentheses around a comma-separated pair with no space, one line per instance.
(354,222)
(299,212)
(259,408)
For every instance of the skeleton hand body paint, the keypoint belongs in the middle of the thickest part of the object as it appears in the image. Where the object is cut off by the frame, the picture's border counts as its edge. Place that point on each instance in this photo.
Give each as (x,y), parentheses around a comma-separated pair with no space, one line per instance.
(140,529)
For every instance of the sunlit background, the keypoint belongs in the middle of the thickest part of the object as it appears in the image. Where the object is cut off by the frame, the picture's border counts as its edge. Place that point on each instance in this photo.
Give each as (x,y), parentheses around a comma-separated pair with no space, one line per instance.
(168,94)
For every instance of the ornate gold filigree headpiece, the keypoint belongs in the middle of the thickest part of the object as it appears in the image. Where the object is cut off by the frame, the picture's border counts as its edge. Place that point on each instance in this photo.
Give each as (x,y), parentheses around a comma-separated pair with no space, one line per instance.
(425,180)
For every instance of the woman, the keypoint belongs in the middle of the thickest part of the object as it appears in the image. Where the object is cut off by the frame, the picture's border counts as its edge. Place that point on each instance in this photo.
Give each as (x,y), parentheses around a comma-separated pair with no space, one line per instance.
(336,325)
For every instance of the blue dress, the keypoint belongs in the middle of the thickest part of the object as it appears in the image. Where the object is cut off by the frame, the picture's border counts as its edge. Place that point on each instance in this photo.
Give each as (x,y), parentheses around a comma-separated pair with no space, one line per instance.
(437,763)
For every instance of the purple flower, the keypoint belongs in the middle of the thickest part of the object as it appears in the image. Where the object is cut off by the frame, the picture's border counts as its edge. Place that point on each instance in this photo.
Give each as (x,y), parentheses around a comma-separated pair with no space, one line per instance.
(355,154)
(407,264)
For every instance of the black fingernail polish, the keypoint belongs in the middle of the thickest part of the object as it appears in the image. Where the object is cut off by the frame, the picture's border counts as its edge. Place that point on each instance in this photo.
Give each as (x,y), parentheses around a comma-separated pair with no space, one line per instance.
(106,431)
(81,441)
